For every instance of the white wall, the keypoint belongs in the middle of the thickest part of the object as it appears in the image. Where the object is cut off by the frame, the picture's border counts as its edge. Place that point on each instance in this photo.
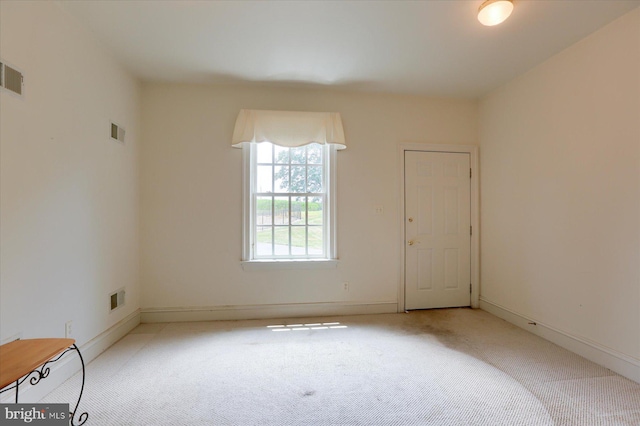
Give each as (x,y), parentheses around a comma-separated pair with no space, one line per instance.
(560,189)
(191,185)
(68,194)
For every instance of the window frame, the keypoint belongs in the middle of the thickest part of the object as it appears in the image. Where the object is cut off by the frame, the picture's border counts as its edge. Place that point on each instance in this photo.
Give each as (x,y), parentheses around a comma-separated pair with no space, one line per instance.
(249,261)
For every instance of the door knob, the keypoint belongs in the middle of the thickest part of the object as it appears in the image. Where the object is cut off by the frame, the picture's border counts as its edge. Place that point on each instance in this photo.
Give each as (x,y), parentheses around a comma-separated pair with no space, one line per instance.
(410,219)
(411,242)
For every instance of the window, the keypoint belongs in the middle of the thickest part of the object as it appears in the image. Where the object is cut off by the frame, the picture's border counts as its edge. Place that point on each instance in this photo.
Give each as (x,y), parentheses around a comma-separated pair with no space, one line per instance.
(289,192)
(289,187)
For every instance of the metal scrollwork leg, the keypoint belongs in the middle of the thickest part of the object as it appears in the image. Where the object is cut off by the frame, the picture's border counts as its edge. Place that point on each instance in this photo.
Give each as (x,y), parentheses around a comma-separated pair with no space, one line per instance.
(42,373)
(82,418)
(34,377)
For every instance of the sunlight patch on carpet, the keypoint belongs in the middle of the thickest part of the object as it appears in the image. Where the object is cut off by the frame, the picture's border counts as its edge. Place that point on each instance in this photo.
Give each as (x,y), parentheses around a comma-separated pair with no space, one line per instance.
(302,327)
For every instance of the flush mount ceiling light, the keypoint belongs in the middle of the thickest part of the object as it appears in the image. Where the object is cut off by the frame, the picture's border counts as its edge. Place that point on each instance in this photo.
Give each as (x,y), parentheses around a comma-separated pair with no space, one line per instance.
(493,12)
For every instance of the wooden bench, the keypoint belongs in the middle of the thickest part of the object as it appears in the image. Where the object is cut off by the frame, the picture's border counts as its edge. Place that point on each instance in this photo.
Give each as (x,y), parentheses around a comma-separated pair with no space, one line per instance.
(29,359)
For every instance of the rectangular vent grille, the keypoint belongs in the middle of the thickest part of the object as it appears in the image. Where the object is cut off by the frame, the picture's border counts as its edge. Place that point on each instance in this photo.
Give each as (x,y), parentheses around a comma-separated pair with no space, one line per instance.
(117,299)
(117,132)
(11,79)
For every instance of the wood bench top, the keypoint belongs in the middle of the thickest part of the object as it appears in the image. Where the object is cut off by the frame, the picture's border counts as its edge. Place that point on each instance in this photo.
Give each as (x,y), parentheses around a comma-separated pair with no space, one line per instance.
(21,357)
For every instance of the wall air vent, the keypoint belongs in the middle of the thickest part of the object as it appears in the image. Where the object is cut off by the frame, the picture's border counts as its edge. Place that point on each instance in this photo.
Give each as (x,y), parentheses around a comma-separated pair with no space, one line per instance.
(11,79)
(116,299)
(117,132)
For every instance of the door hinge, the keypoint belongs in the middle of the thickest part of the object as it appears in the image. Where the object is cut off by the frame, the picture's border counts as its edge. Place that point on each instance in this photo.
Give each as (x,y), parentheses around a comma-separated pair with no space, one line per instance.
(470,174)
(471,230)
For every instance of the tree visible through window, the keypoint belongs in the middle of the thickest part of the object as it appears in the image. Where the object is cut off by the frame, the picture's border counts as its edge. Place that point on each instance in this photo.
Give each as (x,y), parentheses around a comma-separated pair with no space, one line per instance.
(290,201)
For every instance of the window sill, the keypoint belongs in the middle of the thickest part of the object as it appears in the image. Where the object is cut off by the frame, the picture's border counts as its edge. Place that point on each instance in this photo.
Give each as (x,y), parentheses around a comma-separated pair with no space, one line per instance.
(258,265)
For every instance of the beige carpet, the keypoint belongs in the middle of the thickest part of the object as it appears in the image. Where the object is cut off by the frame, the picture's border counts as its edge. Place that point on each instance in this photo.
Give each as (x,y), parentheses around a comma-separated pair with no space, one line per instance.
(442,367)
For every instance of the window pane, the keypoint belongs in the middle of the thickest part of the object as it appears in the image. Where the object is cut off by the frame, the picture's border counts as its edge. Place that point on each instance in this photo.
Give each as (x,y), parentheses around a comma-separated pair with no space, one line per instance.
(281,154)
(265,152)
(299,211)
(281,240)
(281,178)
(299,155)
(314,179)
(314,154)
(264,181)
(263,241)
(298,240)
(315,211)
(263,211)
(288,223)
(298,179)
(316,243)
(281,211)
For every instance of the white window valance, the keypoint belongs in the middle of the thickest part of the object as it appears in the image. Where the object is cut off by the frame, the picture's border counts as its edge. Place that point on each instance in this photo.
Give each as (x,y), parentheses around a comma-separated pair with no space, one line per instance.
(288,128)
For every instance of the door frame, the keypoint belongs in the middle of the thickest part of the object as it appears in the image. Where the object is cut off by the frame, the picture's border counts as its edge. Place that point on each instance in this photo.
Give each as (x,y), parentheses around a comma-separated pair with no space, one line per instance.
(475,214)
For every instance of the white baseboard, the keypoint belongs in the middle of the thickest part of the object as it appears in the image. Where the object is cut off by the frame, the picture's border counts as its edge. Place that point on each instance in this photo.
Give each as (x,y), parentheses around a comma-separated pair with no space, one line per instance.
(69,364)
(245,312)
(622,364)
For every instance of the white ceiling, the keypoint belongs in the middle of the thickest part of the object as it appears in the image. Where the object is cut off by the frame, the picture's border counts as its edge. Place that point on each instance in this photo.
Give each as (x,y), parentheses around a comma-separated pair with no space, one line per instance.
(436,48)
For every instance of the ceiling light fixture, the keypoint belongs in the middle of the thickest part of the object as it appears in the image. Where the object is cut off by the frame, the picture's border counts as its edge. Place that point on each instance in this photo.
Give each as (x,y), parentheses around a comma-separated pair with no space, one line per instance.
(494,12)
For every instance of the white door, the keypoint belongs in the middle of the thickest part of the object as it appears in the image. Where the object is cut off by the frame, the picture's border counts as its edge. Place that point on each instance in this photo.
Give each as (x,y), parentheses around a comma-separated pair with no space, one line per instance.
(437,230)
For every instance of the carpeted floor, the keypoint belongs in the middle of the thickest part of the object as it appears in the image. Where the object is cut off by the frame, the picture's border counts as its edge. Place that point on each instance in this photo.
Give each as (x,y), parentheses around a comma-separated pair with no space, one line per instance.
(440,367)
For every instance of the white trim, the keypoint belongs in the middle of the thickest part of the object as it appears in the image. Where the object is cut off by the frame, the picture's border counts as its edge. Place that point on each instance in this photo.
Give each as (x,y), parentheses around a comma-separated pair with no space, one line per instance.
(472,150)
(247,164)
(332,230)
(242,312)
(11,338)
(330,234)
(619,362)
(257,265)
(69,365)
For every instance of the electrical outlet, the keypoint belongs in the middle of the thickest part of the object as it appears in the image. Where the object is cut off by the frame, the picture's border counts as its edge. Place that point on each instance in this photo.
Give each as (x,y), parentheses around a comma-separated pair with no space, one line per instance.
(68,330)
(345,286)
(378,210)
